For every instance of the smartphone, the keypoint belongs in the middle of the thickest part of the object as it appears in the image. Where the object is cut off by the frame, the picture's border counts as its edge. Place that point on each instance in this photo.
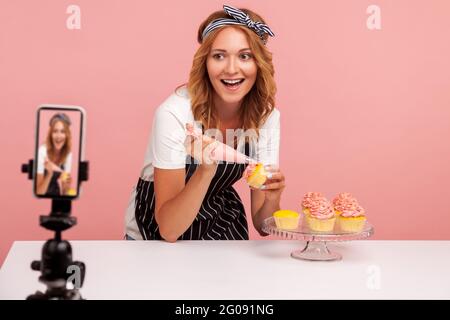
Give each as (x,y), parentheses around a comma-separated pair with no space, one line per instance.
(59,150)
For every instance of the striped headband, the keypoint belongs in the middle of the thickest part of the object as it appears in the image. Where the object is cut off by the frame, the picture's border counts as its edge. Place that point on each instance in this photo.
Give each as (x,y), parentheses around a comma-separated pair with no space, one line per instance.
(60,117)
(239,18)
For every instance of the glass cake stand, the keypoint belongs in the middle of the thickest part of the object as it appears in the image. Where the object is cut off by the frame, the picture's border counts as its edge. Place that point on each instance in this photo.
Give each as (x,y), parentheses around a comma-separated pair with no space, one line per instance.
(316,242)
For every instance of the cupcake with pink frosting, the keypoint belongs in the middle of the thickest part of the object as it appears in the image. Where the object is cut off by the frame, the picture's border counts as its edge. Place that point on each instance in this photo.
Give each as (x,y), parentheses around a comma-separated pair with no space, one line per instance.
(321,216)
(343,201)
(351,216)
(309,199)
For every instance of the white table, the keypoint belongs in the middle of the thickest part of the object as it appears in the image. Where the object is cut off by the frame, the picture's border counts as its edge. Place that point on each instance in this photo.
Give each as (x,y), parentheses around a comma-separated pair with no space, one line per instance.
(242,270)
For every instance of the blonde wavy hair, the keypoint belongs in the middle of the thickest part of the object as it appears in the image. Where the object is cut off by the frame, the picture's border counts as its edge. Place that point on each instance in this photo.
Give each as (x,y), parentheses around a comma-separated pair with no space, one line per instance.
(67,144)
(258,102)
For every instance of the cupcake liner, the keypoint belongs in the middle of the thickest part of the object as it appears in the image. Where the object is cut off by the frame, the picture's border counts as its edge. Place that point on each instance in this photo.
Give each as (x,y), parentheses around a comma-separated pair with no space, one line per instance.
(351,224)
(322,225)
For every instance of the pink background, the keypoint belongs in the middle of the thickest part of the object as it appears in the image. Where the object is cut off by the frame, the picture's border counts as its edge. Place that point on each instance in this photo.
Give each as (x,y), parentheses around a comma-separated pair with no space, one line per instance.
(74,116)
(363,111)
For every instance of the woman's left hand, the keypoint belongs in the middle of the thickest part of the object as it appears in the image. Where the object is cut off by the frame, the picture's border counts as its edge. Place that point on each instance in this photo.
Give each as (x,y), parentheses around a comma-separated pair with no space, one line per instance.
(275,183)
(65,182)
(68,181)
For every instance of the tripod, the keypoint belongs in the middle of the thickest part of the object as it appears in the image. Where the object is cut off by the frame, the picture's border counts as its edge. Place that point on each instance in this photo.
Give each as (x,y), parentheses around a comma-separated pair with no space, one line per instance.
(56,261)
(56,264)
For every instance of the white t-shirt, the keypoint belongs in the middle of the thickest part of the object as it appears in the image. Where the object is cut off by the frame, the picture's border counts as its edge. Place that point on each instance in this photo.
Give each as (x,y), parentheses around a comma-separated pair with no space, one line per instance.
(166,148)
(42,154)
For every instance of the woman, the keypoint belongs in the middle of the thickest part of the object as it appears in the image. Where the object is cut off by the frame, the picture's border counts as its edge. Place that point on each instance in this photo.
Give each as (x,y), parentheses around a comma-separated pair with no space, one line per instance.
(55,158)
(231,87)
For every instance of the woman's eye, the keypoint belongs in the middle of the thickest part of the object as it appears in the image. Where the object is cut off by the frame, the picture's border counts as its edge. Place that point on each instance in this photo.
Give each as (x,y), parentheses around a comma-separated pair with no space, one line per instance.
(218,56)
(246,56)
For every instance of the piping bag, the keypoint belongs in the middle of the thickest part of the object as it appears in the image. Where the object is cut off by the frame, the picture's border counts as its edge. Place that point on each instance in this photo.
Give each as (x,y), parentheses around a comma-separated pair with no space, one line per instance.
(220,151)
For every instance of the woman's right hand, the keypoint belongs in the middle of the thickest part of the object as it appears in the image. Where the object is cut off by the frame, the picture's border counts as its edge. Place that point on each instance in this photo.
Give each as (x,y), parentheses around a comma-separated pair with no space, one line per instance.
(51,167)
(200,150)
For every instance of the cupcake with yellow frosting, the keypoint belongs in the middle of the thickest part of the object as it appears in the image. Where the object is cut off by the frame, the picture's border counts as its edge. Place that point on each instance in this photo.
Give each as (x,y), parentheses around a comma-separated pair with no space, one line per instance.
(310,199)
(321,216)
(286,219)
(256,175)
(71,192)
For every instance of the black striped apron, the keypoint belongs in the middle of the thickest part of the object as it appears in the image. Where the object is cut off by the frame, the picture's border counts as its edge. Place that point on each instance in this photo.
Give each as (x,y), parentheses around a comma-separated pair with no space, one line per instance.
(221,215)
(53,187)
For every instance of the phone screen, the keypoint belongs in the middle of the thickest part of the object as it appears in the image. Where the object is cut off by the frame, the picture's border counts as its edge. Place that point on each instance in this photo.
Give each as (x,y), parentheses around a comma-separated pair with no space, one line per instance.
(59,138)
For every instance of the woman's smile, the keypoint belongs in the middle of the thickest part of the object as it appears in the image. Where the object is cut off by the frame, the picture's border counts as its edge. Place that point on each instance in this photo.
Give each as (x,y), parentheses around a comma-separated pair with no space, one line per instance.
(232,84)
